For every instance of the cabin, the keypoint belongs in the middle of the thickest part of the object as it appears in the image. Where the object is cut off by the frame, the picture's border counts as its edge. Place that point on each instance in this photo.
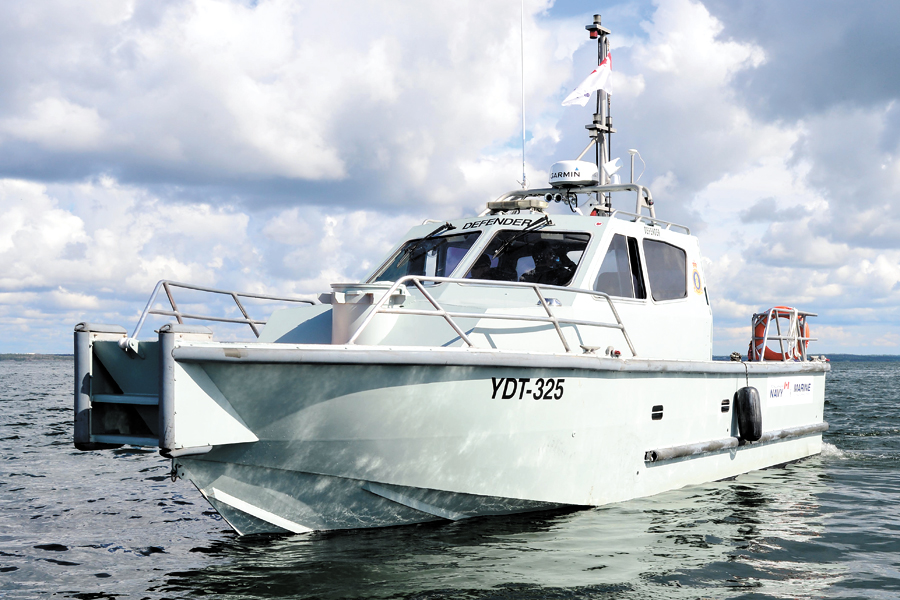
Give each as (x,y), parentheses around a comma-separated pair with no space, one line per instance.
(515,277)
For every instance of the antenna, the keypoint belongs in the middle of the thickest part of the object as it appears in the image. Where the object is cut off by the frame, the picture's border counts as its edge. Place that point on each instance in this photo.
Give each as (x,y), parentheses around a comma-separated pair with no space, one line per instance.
(632,152)
(522,31)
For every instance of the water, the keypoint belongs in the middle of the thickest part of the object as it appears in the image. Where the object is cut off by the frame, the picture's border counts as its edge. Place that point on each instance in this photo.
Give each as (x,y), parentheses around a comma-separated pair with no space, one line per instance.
(112,525)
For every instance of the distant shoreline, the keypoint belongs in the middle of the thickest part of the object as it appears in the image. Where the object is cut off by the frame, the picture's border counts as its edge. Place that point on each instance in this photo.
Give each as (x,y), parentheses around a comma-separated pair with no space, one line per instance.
(21,357)
(846,357)
(831,357)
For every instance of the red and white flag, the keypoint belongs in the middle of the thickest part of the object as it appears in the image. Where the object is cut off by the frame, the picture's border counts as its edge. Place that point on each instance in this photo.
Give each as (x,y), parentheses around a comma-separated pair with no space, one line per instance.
(597,80)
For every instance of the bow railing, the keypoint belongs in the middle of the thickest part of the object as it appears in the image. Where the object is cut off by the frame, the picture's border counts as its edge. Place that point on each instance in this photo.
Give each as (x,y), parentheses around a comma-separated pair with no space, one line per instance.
(167,286)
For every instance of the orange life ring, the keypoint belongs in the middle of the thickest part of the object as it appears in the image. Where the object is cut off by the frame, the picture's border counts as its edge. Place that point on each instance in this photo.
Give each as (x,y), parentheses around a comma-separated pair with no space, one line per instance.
(761,324)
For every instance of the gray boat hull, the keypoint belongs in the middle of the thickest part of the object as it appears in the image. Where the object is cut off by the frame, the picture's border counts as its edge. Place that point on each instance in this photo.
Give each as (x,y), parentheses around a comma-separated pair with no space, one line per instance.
(350,445)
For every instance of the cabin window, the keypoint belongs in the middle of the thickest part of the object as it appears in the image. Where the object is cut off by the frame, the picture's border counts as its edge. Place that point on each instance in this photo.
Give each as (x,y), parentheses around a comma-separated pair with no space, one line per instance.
(666,270)
(531,256)
(620,273)
(428,257)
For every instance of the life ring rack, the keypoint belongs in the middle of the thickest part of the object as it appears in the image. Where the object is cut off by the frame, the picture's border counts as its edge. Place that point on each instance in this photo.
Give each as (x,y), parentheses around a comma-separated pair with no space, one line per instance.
(792,342)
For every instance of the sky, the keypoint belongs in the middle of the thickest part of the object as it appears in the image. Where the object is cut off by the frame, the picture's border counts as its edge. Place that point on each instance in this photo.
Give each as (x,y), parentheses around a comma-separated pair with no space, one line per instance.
(276,147)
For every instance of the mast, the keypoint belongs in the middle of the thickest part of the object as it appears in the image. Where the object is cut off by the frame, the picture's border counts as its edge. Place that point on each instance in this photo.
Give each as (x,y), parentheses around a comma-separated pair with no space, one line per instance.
(602,122)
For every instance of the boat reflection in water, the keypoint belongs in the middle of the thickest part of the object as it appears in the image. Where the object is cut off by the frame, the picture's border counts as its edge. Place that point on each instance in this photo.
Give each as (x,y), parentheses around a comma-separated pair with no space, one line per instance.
(754,533)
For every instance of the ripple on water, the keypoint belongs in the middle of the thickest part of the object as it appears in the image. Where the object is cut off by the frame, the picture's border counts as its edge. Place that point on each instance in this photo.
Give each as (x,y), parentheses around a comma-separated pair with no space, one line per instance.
(110,524)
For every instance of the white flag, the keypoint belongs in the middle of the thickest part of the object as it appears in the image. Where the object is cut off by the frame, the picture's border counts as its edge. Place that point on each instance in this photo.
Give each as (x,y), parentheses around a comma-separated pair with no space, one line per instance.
(611,167)
(597,80)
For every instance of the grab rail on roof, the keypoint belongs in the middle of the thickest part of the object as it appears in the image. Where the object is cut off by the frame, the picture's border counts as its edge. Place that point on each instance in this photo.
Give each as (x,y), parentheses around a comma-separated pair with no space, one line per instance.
(439,311)
(167,285)
(650,220)
(644,197)
(644,200)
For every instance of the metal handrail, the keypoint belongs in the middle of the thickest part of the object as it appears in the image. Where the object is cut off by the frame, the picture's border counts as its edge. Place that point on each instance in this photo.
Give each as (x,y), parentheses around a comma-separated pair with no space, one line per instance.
(644,200)
(794,335)
(167,286)
(439,311)
(651,220)
(644,197)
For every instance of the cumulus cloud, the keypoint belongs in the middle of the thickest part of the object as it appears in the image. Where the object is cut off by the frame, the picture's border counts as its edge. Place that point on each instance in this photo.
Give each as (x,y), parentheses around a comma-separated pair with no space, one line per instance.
(832,54)
(278,147)
(789,210)
(274,95)
(315,248)
(679,108)
(57,124)
(822,233)
(766,210)
(94,251)
(110,235)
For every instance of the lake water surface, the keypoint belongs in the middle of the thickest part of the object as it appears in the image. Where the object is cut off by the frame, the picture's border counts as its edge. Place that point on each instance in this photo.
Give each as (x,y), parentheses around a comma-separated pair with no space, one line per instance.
(112,525)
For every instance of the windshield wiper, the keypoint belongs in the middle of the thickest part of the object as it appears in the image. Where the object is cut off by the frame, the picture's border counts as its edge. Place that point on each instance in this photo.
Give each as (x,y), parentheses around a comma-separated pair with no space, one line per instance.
(542,222)
(445,227)
(407,252)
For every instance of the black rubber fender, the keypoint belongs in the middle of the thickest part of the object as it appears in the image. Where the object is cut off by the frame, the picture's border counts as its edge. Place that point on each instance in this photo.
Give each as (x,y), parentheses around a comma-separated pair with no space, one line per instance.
(749,413)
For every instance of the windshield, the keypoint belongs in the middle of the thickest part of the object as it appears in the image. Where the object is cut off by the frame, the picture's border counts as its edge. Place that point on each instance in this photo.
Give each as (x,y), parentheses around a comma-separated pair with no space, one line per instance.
(537,257)
(429,257)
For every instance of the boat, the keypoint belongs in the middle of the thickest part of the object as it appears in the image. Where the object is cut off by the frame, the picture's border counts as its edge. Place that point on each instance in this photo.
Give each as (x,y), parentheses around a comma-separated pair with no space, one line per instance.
(517,360)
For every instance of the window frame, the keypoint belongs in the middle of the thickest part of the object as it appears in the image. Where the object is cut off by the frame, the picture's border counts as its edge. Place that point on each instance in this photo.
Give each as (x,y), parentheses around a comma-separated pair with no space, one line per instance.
(647,270)
(492,235)
(373,278)
(635,262)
